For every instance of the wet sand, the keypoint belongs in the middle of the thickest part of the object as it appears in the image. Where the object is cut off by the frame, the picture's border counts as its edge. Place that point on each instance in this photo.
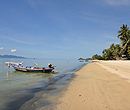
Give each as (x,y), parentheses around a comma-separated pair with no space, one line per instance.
(100,85)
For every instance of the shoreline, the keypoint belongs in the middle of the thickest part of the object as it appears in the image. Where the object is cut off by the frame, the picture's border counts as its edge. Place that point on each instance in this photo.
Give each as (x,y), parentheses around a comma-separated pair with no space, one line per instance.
(19,89)
(98,86)
(47,98)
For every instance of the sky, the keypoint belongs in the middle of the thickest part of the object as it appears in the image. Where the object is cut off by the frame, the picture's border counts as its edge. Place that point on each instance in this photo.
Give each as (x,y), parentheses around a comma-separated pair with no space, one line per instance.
(67,29)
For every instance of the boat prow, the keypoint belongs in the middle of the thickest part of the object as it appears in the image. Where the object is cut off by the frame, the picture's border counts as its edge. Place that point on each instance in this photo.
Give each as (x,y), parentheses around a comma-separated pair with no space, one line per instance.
(14,63)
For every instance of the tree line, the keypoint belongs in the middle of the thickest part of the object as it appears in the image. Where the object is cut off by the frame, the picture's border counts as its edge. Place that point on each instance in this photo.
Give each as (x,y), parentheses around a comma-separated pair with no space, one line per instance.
(117,51)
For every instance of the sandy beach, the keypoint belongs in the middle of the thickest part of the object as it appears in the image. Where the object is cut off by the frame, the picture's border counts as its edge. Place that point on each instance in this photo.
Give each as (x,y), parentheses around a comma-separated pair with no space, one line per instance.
(103,85)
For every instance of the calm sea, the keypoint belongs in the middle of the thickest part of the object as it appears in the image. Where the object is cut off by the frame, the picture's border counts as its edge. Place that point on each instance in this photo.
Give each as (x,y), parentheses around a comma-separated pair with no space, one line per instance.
(17,87)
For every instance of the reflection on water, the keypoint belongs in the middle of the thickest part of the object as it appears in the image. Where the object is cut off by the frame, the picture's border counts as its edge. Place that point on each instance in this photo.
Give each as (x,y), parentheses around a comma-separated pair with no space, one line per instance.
(42,75)
(7,75)
(31,74)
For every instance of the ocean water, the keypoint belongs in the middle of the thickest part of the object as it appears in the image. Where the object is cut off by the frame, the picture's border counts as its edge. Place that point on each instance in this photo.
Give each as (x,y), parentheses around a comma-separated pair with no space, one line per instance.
(17,88)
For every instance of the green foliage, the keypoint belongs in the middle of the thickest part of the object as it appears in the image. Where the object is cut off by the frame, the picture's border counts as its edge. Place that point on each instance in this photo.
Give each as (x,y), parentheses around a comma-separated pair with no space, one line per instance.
(97,57)
(85,59)
(112,53)
(107,54)
(81,59)
(88,59)
(124,36)
(116,51)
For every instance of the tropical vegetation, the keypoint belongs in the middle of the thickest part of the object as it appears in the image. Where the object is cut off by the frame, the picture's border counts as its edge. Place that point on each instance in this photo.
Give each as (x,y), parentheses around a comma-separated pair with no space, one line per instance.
(112,53)
(124,36)
(116,51)
(81,58)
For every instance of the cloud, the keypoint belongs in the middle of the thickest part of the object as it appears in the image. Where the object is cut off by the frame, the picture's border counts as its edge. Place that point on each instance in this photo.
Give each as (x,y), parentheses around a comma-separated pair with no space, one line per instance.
(117,2)
(1,48)
(13,50)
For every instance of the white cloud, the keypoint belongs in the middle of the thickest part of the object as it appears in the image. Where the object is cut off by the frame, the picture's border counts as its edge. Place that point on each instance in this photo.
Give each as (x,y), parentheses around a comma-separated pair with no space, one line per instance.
(1,48)
(13,50)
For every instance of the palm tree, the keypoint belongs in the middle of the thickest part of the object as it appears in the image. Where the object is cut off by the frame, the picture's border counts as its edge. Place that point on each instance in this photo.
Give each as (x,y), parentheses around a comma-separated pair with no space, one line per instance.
(107,54)
(117,51)
(112,53)
(122,32)
(124,35)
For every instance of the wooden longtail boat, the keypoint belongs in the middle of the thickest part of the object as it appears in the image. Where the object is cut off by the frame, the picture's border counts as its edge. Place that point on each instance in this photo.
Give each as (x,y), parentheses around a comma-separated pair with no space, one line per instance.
(31,69)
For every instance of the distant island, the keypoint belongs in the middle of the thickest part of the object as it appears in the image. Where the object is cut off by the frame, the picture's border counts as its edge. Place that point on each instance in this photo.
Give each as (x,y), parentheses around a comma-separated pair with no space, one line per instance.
(85,59)
(11,56)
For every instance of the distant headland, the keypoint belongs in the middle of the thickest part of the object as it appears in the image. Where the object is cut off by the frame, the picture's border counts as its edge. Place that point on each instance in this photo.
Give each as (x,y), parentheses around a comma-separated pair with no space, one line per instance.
(11,56)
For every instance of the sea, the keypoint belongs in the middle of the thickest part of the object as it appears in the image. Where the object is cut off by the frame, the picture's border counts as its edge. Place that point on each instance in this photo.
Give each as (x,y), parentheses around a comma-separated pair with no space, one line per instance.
(34,91)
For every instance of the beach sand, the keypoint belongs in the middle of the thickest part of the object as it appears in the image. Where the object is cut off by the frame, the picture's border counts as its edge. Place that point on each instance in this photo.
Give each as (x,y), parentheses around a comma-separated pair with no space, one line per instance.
(103,85)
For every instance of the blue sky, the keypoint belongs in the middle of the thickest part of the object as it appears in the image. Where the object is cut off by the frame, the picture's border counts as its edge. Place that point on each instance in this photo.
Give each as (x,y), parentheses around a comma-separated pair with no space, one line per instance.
(60,28)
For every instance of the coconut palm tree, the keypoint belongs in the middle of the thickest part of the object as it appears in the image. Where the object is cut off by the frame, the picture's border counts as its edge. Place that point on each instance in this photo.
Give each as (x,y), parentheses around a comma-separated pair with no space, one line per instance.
(112,53)
(122,32)
(124,35)
(107,54)
(117,51)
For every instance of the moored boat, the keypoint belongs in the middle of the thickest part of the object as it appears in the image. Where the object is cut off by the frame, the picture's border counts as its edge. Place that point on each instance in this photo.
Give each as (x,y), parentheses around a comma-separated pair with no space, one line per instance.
(31,68)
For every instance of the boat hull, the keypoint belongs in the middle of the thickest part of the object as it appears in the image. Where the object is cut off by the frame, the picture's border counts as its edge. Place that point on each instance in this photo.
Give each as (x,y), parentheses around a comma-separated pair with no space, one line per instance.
(43,70)
(30,69)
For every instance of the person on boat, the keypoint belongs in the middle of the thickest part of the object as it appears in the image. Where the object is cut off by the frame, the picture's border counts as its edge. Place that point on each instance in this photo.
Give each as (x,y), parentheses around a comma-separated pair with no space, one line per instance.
(50,65)
(8,65)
